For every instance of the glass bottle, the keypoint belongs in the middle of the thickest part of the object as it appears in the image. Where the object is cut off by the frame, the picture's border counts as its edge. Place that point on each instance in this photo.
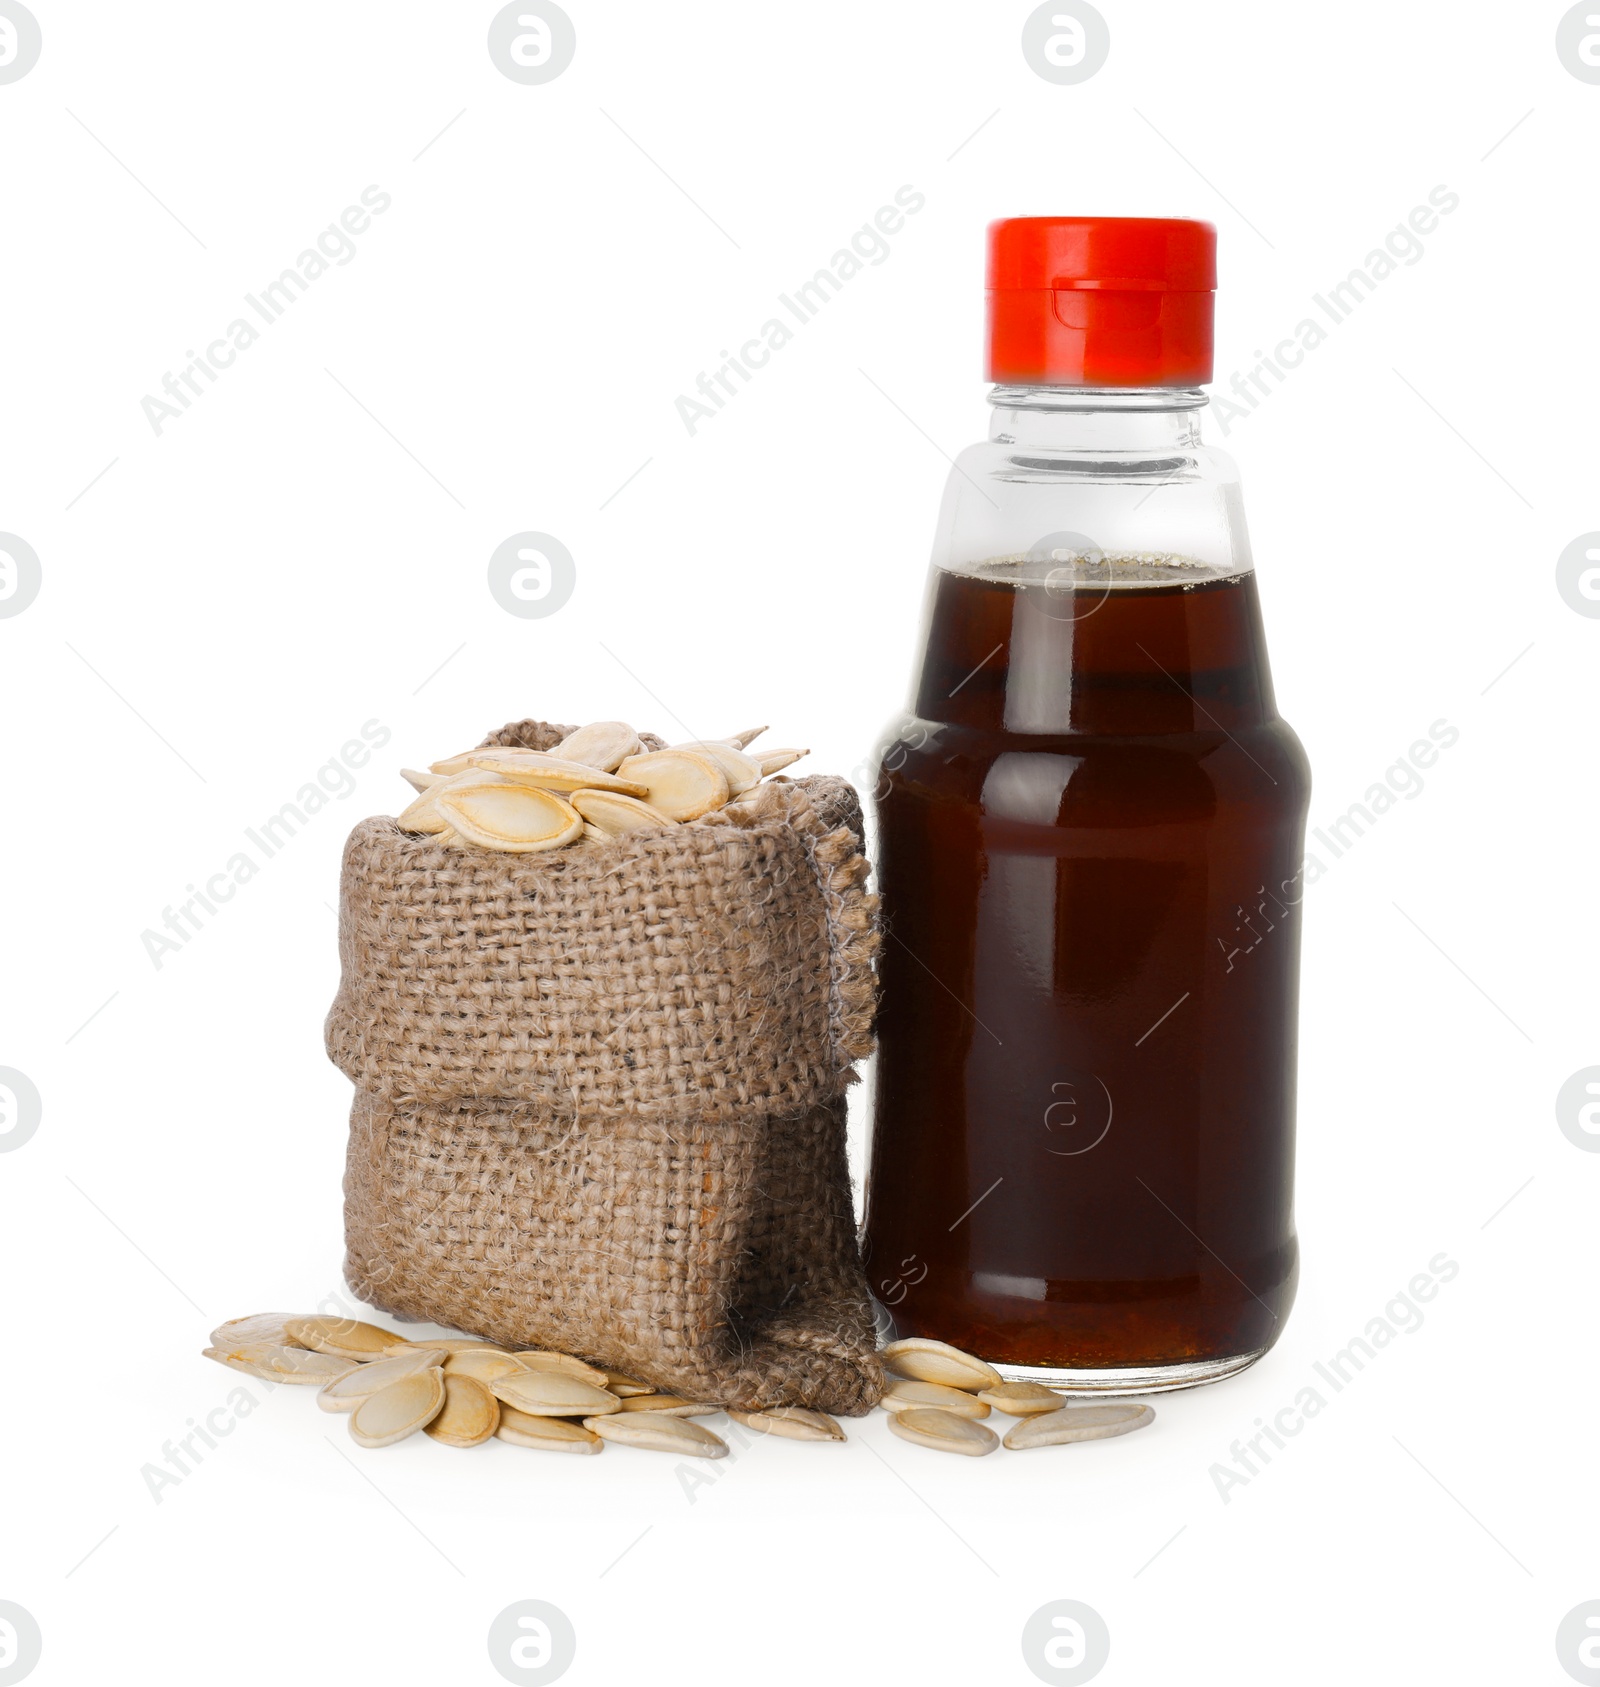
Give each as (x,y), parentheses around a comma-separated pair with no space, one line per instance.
(1090,829)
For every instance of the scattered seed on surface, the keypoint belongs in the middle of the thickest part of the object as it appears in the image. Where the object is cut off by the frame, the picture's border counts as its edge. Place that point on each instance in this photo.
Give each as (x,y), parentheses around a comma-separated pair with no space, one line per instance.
(259,1329)
(469,1416)
(484,1363)
(927,1426)
(902,1394)
(794,1423)
(924,1360)
(537,1359)
(349,1338)
(659,1432)
(360,1382)
(623,1386)
(399,1410)
(284,1364)
(549,1435)
(1022,1399)
(673,1405)
(1078,1423)
(553,1394)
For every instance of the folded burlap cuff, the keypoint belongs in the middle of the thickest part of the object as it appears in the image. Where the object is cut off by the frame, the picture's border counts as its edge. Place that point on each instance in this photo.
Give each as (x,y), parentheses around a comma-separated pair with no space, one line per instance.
(600,1092)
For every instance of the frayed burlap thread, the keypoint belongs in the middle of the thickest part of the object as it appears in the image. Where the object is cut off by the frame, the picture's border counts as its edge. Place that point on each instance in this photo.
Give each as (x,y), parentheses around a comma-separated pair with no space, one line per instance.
(600,1092)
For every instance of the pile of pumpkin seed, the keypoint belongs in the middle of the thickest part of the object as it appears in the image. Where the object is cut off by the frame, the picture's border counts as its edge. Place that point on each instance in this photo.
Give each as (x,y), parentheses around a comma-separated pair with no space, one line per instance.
(598,783)
(463,1392)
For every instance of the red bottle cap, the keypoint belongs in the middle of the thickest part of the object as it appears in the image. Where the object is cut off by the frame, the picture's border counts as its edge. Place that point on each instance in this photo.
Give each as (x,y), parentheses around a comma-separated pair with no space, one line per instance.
(1101,301)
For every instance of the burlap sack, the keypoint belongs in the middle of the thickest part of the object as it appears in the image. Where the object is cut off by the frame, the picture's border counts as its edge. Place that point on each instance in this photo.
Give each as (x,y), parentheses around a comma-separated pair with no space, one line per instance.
(600,1093)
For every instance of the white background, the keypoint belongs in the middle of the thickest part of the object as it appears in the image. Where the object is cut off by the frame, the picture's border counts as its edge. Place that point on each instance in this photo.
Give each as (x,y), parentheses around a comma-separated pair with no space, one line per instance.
(305,550)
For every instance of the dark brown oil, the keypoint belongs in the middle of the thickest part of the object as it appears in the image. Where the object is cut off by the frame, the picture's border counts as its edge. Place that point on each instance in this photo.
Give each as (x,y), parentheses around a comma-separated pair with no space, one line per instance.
(1089,845)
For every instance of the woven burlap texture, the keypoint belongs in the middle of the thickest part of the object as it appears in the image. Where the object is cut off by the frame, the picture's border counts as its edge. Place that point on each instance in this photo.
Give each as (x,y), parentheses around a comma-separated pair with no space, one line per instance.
(600,1092)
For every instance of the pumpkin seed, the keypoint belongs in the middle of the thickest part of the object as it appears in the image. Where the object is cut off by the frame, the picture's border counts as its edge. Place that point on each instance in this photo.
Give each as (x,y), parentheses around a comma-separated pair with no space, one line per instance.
(625,1386)
(421,816)
(743,740)
(552,773)
(469,1416)
(360,1382)
(283,1364)
(235,1360)
(457,763)
(758,803)
(518,818)
(902,1395)
(444,1344)
(613,815)
(741,771)
(681,784)
(551,1435)
(484,1363)
(774,761)
(421,781)
(924,1360)
(605,744)
(1078,1423)
(659,1433)
(794,1423)
(269,1327)
(1022,1399)
(348,1338)
(671,1405)
(399,1410)
(944,1431)
(553,1394)
(538,1359)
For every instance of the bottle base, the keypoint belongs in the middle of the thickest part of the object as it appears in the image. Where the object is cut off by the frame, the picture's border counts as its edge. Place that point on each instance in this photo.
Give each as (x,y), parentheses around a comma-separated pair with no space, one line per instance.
(1133,1379)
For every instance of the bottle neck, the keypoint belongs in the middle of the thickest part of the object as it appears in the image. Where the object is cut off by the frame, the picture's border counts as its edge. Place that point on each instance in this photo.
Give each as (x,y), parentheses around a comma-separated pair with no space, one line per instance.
(1097,418)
